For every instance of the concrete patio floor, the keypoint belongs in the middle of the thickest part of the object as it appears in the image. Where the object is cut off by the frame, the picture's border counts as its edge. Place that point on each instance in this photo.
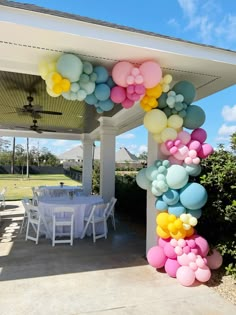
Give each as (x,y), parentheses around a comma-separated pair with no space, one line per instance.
(109,277)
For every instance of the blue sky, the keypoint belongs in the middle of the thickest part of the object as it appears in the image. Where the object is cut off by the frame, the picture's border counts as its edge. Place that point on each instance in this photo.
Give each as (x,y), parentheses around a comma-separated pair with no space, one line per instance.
(210,22)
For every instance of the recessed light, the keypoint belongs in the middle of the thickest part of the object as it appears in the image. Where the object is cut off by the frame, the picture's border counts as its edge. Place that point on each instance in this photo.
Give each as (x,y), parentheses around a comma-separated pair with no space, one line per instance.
(79,116)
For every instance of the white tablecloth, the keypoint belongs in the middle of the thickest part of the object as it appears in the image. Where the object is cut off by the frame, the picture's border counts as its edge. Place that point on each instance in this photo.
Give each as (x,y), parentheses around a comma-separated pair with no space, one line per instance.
(81,205)
(58,191)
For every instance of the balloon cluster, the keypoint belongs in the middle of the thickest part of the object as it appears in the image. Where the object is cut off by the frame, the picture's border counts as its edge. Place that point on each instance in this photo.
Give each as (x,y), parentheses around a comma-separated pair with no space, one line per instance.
(79,80)
(185,259)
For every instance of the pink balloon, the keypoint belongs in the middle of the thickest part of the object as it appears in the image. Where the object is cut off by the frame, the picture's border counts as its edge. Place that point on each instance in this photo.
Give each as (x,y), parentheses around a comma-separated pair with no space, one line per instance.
(130,89)
(185,276)
(151,72)
(196,160)
(127,103)
(171,267)
(188,160)
(183,260)
(139,89)
(173,150)
(203,274)
(169,251)
(199,134)
(118,94)
(164,149)
(192,154)
(156,257)
(163,241)
(182,152)
(173,161)
(215,260)
(194,145)
(169,144)
(201,244)
(184,136)
(205,151)
(186,249)
(121,71)
(133,97)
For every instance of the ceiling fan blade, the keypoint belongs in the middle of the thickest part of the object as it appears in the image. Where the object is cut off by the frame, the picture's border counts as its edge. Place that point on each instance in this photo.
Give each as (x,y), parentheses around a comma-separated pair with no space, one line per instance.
(48,130)
(47,112)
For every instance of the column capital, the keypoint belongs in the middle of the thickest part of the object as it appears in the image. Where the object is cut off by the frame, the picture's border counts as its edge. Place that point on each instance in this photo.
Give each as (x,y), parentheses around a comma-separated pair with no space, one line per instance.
(85,138)
(107,126)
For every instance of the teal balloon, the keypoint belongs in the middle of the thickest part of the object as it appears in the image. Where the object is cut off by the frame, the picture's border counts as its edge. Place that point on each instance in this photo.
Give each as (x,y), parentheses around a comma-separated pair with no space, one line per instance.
(171,197)
(91,99)
(193,169)
(102,92)
(195,213)
(142,180)
(99,110)
(106,105)
(187,89)
(88,87)
(195,117)
(193,196)
(162,101)
(70,67)
(102,74)
(87,67)
(177,209)
(167,111)
(160,204)
(110,82)
(177,177)
(151,172)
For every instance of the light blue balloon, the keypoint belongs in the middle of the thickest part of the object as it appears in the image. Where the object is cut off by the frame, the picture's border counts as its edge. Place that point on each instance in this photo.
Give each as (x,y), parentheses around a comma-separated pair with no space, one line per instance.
(193,196)
(87,67)
(195,117)
(151,172)
(177,177)
(70,67)
(171,197)
(141,179)
(187,89)
(102,92)
(106,105)
(93,77)
(81,95)
(160,204)
(84,78)
(110,82)
(195,213)
(193,169)
(102,74)
(99,110)
(91,99)
(88,87)
(177,209)
(156,192)
(74,87)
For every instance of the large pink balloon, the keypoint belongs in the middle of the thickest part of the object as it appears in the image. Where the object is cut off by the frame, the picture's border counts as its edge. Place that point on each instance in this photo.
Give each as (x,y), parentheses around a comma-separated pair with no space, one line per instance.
(184,136)
(156,257)
(151,72)
(205,150)
(199,134)
(171,267)
(185,276)
(182,152)
(194,145)
(121,71)
(203,274)
(202,245)
(164,149)
(169,251)
(215,260)
(118,94)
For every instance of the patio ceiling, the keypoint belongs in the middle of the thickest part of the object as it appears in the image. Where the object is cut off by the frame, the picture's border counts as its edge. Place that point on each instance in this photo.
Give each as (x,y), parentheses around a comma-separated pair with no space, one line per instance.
(29,34)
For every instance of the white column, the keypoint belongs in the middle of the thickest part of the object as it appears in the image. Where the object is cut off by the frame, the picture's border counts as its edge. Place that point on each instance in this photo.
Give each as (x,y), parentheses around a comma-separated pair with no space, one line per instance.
(107,158)
(87,163)
(151,236)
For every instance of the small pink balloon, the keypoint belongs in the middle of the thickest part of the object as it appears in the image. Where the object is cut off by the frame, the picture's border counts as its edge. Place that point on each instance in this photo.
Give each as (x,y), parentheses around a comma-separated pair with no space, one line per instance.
(121,71)
(156,257)
(185,276)
(151,72)
(203,274)
(181,242)
(135,71)
(171,267)
(118,94)
(186,249)
(177,142)
(202,245)
(133,97)
(192,154)
(183,260)
(192,256)
(169,251)
(205,151)
(164,149)
(163,241)
(191,243)
(184,136)
(215,260)
(194,145)
(127,103)
(194,250)
(130,80)
(196,160)
(188,160)
(182,152)
(173,161)
(130,89)
(169,144)
(200,262)
(173,242)
(173,150)
(138,79)
(178,250)
(139,89)
(199,134)
(193,266)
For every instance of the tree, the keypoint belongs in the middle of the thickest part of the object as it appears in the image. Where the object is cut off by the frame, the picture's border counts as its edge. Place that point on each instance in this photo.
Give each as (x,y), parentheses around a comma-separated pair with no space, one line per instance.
(233,142)
(4,144)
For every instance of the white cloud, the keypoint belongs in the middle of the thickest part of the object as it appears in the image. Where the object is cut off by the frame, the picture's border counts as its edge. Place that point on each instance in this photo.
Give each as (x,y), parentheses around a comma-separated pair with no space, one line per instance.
(142,148)
(188,7)
(173,22)
(58,143)
(229,113)
(126,136)
(226,130)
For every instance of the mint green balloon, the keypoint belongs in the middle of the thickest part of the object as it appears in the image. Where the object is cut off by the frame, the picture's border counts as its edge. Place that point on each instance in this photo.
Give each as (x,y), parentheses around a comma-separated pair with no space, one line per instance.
(177,177)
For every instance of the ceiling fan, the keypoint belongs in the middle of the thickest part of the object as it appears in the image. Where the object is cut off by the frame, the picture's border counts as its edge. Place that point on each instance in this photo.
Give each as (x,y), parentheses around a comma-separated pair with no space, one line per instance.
(33,110)
(36,128)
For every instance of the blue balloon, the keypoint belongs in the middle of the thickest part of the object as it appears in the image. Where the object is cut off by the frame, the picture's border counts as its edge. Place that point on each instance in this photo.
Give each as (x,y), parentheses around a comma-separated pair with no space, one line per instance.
(160,204)
(110,82)
(91,99)
(195,117)
(102,74)
(102,92)
(106,105)
(195,213)
(193,196)
(177,209)
(171,197)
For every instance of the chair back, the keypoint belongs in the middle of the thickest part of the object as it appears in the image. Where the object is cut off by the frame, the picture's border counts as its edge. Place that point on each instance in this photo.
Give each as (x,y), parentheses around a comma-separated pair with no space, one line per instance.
(32,211)
(65,212)
(4,190)
(111,206)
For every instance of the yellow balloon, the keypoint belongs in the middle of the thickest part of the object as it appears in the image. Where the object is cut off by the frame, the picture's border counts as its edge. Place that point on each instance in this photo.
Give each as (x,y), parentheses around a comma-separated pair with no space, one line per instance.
(152,102)
(171,218)
(49,80)
(52,66)
(172,228)
(175,121)
(190,232)
(162,232)
(167,78)
(165,87)
(65,84)
(156,91)
(57,89)
(178,235)
(168,134)
(157,137)
(155,121)
(56,78)
(51,93)
(162,219)
(178,223)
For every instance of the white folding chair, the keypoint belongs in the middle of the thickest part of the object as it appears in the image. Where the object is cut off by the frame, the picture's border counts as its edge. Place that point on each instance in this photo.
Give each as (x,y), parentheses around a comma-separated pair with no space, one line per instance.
(2,197)
(111,211)
(26,203)
(34,221)
(63,217)
(97,215)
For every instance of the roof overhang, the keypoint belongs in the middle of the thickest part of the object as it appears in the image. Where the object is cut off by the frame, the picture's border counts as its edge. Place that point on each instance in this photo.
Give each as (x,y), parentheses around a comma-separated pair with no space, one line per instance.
(29,34)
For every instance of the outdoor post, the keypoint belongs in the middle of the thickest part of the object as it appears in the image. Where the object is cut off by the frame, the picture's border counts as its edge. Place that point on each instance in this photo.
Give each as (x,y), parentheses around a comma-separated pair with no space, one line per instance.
(87,164)
(27,157)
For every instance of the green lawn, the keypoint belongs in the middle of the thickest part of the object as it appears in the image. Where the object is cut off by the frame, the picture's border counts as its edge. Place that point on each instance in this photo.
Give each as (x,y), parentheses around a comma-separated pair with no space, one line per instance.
(19,187)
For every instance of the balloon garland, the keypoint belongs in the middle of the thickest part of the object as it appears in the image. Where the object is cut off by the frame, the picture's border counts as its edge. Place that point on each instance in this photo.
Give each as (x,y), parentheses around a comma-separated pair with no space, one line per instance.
(179,201)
